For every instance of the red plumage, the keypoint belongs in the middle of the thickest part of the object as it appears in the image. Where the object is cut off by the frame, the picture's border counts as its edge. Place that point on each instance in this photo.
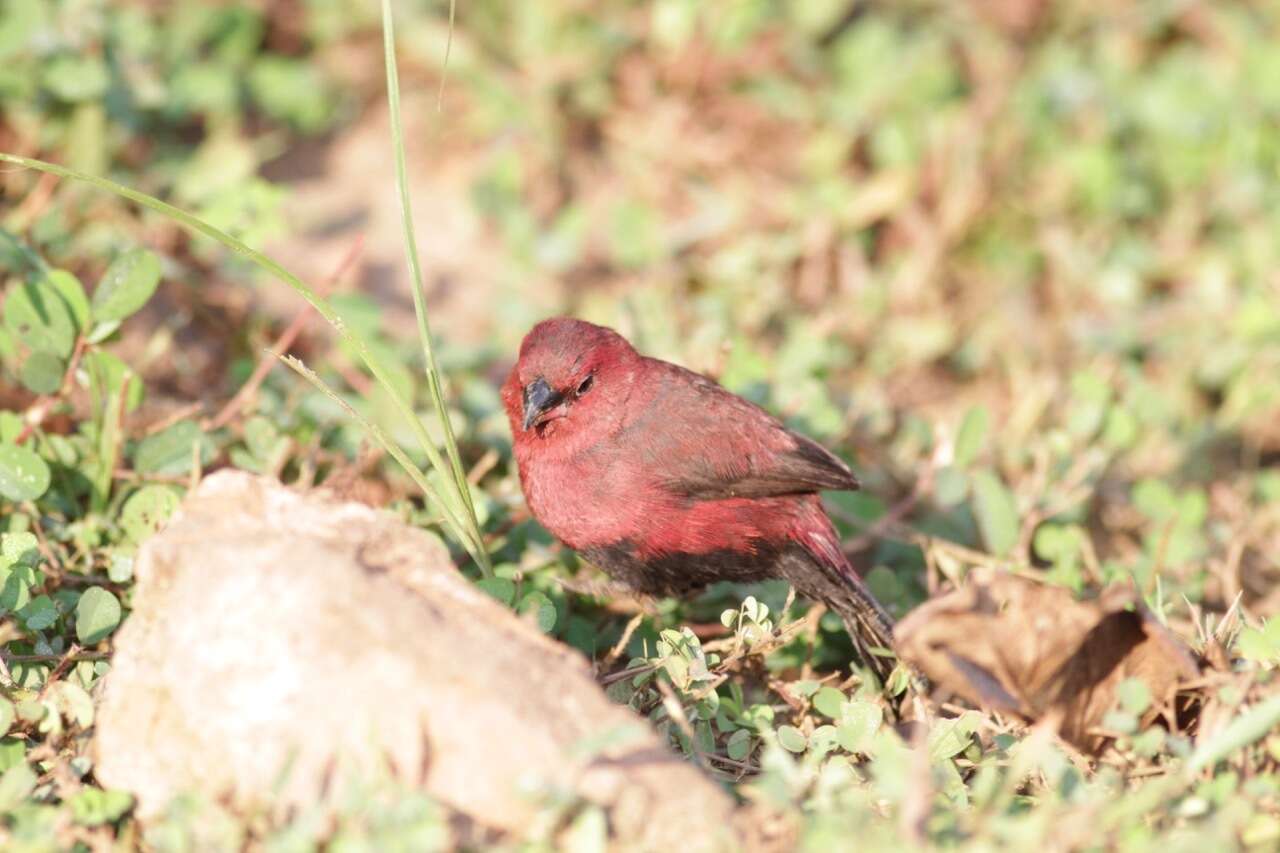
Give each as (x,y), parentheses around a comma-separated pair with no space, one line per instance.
(669,482)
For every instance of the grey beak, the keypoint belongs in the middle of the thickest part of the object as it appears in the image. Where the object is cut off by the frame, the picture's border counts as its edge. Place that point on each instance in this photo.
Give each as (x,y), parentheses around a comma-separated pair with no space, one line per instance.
(538,398)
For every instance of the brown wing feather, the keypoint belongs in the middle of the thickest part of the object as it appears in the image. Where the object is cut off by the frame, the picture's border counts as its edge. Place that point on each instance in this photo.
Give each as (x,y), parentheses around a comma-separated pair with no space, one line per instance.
(723,446)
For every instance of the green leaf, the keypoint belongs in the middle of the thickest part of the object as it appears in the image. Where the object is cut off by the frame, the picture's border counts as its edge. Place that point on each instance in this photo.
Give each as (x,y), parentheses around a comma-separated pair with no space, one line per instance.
(830,702)
(972,435)
(754,610)
(31,710)
(544,612)
(1150,742)
(97,615)
(1121,429)
(997,513)
(39,614)
(15,587)
(859,721)
(13,751)
(72,292)
(147,510)
(1090,396)
(738,746)
(1252,725)
(500,588)
(792,739)
(7,715)
(19,549)
(1121,722)
(24,476)
(11,426)
(1155,499)
(262,437)
(824,739)
(101,331)
(42,372)
(126,285)
(94,806)
(15,254)
(1260,644)
(1134,695)
(121,568)
(1268,486)
(74,703)
(805,687)
(16,785)
(170,450)
(76,77)
(36,314)
(950,486)
(951,737)
(18,557)
(588,833)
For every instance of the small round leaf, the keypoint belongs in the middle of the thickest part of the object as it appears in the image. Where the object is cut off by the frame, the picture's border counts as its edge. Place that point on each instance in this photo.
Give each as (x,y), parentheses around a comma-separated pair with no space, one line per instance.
(792,739)
(16,785)
(500,588)
(97,615)
(858,722)
(739,745)
(544,612)
(39,614)
(24,476)
(829,702)
(824,739)
(147,510)
(42,372)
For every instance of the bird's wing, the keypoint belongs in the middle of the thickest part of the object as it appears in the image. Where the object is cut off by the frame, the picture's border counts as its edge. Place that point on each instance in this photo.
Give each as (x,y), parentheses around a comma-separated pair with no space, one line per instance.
(704,442)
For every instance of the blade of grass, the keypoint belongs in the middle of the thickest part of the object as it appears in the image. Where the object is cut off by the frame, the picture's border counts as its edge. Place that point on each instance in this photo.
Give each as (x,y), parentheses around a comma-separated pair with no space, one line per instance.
(414,472)
(411,250)
(448,49)
(1251,726)
(468,531)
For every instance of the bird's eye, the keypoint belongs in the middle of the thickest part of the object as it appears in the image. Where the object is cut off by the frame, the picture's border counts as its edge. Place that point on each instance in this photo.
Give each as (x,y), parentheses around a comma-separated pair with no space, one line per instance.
(585,385)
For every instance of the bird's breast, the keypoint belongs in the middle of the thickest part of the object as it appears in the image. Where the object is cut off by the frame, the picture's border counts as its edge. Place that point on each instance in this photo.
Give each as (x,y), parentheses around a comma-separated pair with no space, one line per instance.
(584,502)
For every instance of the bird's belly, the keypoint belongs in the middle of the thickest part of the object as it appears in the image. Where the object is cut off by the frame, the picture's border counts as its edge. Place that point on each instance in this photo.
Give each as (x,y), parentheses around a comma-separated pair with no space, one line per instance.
(683,573)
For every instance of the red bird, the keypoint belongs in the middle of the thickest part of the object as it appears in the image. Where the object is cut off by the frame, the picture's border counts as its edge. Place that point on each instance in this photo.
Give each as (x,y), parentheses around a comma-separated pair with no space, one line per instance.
(669,482)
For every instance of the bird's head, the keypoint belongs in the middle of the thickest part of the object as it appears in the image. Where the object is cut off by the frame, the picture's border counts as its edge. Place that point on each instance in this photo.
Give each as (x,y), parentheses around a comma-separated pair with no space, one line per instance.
(569,379)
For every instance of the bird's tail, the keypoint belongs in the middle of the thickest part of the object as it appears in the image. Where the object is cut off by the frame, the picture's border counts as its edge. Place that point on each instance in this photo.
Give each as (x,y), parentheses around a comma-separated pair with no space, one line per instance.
(869,626)
(829,578)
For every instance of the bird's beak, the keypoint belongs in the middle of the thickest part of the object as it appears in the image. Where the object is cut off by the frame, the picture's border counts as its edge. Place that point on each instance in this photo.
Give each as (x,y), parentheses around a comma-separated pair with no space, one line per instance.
(539,397)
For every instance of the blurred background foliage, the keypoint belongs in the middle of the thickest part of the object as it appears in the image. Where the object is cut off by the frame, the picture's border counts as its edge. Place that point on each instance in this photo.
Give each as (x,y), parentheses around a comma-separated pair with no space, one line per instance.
(1016,259)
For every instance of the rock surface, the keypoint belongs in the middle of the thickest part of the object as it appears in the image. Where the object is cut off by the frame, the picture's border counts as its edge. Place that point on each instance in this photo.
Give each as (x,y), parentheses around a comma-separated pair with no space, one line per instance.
(272,629)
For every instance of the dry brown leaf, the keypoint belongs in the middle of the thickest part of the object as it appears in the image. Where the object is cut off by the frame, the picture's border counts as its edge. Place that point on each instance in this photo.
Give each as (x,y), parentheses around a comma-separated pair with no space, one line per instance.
(1009,643)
